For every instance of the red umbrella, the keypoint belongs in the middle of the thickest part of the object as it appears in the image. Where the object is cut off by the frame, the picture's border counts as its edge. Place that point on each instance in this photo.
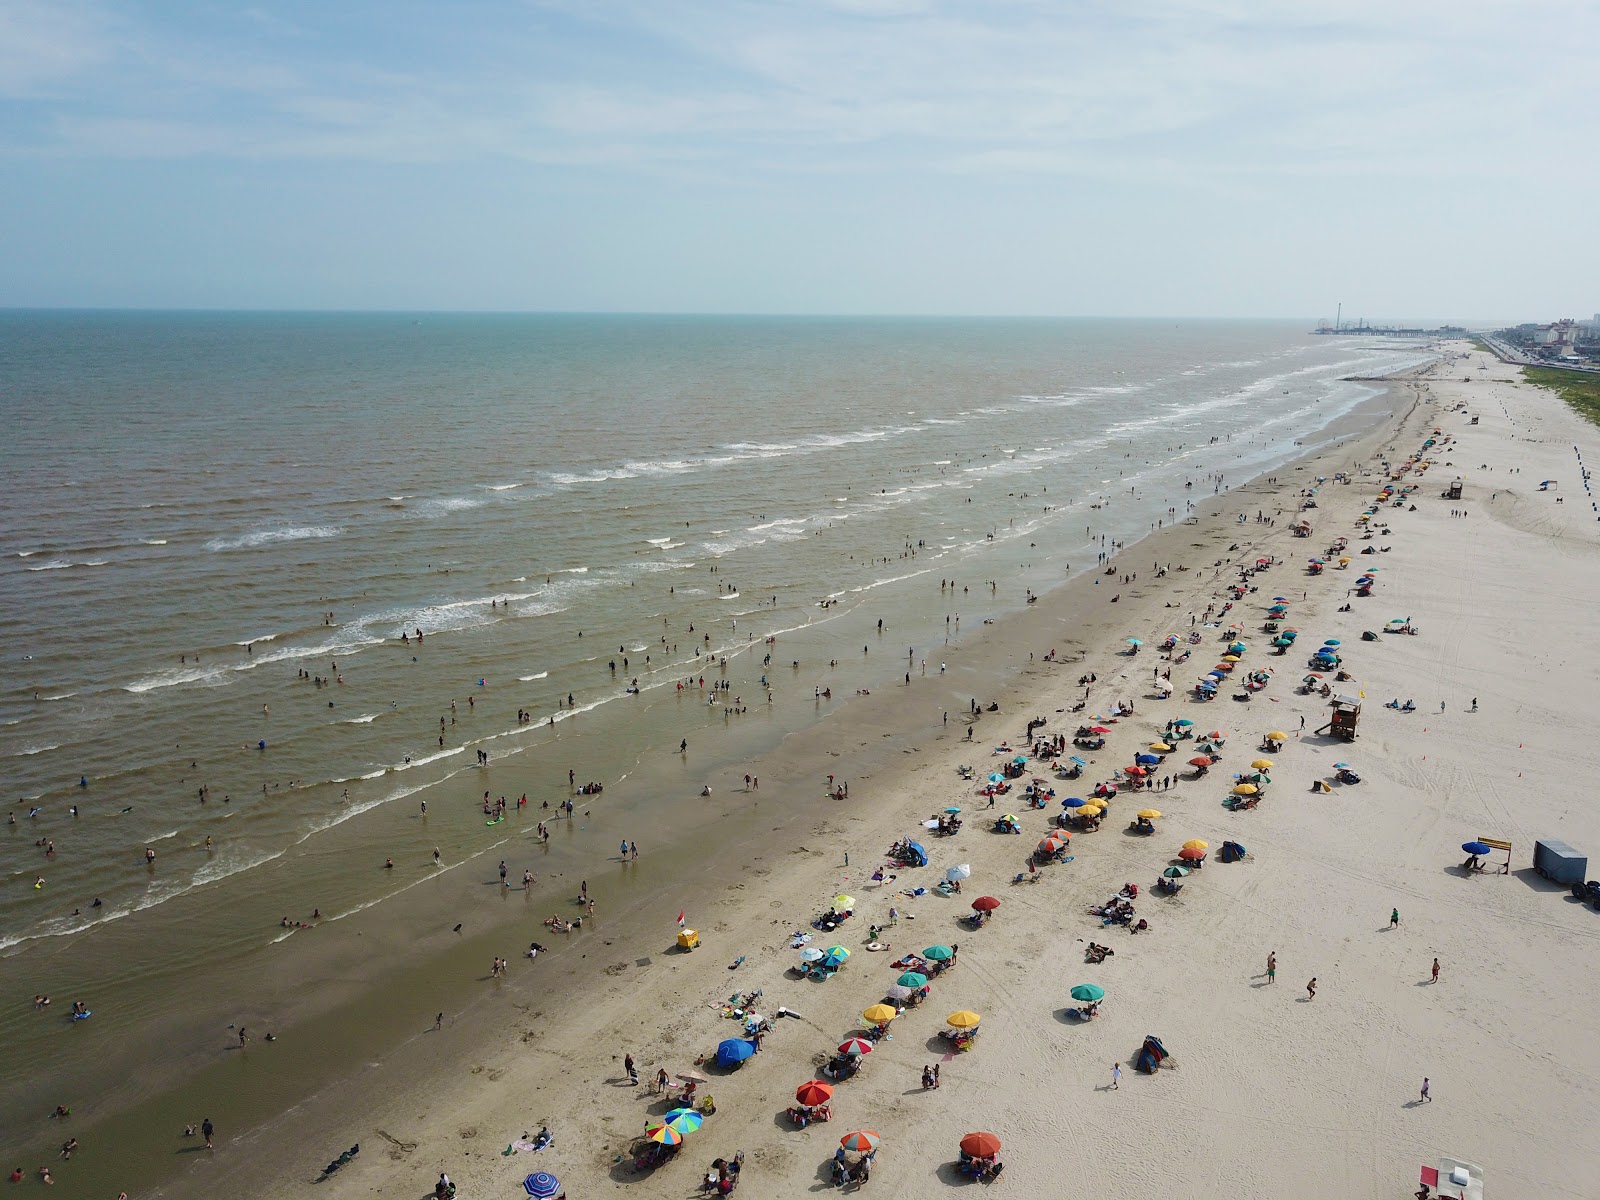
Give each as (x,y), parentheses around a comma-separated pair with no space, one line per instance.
(854,1046)
(1200,760)
(1098,729)
(813,1091)
(861,1141)
(981,1145)
(985,904)
(1134,771)
(1191,854)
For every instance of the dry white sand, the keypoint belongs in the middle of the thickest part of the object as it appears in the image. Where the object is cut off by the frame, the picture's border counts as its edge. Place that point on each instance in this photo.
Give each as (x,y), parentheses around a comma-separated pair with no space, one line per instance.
(1273,1095)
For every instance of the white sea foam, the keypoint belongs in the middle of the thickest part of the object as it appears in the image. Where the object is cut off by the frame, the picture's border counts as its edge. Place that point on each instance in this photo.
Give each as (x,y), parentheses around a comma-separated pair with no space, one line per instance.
(269,537)
(55,564)
(445,505)
(531,678)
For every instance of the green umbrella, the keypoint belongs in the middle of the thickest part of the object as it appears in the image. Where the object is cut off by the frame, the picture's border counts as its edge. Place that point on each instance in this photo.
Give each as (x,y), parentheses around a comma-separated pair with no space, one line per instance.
(1088,992)
(1175,872)
(913,979)
(938,953)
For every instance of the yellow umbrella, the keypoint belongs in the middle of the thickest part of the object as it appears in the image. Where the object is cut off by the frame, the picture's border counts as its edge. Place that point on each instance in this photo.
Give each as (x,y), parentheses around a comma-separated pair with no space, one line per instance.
(1196,844)
(1262,764)
(1230,658)
(1161,747)
(1149,814)
(1244,789)
(1277,735)
(840,903)
(964,1019)
(878,1014)
(1344,560)
(1093,806)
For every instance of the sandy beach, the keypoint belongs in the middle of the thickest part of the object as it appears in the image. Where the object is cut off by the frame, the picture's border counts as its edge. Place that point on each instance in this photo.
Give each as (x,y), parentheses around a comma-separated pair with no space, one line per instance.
(1272,1092)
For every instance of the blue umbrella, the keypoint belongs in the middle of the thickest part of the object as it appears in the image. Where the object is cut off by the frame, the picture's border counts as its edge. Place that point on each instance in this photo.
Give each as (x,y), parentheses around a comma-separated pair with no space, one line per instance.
(1076,759)
(832,961)
(1281,599)
(812,954)
(1145,760)
(1072,802)
(1331,642)
(541,1185)
(734,1051)
(1476,848)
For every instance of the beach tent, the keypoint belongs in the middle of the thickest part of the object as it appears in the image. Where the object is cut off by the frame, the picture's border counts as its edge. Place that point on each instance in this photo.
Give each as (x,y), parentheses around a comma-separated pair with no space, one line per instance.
(917,855)
(1231,852)
(1151,1055)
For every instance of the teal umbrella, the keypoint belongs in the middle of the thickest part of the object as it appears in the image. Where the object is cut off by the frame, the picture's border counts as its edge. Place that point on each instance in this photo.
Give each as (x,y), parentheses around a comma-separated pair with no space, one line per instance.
(684,1120)
(1088,992)
(938,953)
(913,979)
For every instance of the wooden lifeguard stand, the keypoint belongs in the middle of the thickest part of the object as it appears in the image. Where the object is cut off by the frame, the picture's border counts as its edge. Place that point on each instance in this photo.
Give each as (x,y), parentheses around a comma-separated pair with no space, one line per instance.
(1345,717)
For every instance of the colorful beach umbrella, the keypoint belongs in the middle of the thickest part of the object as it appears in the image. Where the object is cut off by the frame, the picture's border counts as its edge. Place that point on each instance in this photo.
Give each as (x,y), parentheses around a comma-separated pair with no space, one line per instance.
(1088,992)
(879,1014)
(963,1018)
(981,1145)
(1049,846)
(861,1140)
(664,1134)
(813,1092)
(541,1185)
(854,1047)
(684,1120)
(985,904)
(939,953)
(838,952)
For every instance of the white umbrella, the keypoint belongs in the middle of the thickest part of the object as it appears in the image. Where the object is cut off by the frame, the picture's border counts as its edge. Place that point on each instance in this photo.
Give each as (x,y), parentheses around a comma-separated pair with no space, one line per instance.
(898,991)
(961,871)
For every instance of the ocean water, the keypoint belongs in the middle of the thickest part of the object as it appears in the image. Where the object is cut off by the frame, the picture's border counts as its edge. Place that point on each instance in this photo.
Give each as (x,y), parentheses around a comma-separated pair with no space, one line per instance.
(200,508)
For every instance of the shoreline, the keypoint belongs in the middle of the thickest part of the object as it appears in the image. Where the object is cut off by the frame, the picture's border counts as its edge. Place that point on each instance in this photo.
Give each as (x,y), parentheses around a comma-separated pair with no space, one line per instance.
(1003,641)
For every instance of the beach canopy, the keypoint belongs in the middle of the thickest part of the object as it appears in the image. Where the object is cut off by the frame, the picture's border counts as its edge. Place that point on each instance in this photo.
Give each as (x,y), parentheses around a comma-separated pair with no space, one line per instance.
(959,871)
(1088,992)
(665,1134)
(981,1145)
(854,1047)
(1197,844)
(879,1014)
(963,1018)
(1175,872)
(913,980)
(1191,855)
(813,1091)
(684,1120)
(541,1185)
(1262,764)
(861,1140)
(1277,735)
(985,904)
(939,953)
(1244,789)
(1476,848)
(1149,814)
(734,1051)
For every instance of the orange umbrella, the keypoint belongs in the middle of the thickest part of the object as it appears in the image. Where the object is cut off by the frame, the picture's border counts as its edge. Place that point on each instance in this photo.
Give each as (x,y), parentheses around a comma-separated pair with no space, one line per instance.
(1191,854)
(813,1091)
(981,1145)
(1199,760)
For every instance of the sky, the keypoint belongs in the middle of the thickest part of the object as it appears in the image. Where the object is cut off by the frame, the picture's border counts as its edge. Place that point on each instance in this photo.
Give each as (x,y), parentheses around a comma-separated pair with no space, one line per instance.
(1418,160)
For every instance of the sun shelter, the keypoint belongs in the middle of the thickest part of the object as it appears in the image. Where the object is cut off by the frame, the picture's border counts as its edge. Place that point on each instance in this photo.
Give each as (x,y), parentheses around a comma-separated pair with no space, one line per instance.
(1151,1055)
(1453,1179)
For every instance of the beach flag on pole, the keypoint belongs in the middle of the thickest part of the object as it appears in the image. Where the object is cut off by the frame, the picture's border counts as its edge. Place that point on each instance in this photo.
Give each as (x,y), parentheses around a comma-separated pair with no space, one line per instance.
(680,918)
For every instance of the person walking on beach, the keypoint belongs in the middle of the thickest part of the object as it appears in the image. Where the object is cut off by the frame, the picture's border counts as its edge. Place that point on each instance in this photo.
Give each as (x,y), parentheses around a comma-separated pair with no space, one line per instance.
(1426,1097)
(206,1131)
(1311,989)
(631,1069)
(438,1022)
(1394,918)
(1272,967)
(1435,978)
(1116,1075)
